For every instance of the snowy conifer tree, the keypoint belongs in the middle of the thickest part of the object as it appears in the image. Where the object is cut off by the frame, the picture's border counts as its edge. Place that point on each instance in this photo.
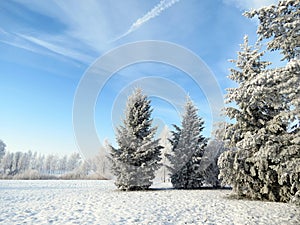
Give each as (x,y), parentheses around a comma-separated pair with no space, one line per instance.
(266,162)
(187,150)
(135,161)
(257,103)
(280,27)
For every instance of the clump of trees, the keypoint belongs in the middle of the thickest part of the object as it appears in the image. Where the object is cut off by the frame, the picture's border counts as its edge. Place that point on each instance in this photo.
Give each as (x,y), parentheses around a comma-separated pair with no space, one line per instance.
(31,165)
(265,160)
(139,154)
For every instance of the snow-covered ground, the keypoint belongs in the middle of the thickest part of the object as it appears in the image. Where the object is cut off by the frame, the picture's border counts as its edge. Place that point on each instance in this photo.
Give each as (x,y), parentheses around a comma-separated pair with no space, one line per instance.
(98,202)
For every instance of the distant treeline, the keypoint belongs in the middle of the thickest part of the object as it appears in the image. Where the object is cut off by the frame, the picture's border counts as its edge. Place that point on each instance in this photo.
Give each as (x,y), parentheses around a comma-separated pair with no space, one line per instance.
(31,165)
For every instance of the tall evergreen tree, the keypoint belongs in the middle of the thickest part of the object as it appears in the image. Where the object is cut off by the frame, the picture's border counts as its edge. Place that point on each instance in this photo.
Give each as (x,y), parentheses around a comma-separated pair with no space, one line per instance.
(245,167)
(135,161)
(266,163)
(187,150)
(279,25)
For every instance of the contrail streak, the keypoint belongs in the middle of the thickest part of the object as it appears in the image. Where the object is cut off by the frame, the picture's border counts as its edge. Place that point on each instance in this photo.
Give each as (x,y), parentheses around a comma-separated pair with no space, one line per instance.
(154,12)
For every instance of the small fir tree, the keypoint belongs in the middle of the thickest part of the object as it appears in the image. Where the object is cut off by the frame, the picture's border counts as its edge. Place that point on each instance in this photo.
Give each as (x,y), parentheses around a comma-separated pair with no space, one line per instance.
(135,161)
(187,150)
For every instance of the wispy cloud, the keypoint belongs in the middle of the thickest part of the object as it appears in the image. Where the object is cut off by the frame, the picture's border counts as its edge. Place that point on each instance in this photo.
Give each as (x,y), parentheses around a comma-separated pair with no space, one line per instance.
(58,49)
(250,4)
(83,33)
(154,12)
(18,42)
(42,46)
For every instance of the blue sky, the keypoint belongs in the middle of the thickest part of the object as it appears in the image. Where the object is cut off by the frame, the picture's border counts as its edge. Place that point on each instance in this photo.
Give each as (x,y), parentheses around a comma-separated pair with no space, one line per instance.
(46,46)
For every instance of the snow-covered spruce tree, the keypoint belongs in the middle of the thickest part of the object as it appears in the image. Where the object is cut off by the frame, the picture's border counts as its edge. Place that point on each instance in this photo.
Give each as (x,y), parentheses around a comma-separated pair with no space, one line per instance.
(280,27)
(135,161)
(257,103)
(187,149)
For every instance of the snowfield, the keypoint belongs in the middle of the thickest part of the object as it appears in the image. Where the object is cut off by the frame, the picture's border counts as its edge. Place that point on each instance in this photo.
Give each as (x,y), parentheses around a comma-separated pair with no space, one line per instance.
(98,202)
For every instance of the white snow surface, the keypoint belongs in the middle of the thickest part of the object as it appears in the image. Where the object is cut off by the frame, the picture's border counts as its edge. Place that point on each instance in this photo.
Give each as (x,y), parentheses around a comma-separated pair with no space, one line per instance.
(98,202)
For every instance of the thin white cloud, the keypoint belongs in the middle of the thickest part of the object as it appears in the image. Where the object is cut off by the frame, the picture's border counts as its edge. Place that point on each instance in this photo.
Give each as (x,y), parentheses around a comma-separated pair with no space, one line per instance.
(22,46)
(250,4)
(85,30)
(42,47)
(58,49)
(18,42)
(154,12)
